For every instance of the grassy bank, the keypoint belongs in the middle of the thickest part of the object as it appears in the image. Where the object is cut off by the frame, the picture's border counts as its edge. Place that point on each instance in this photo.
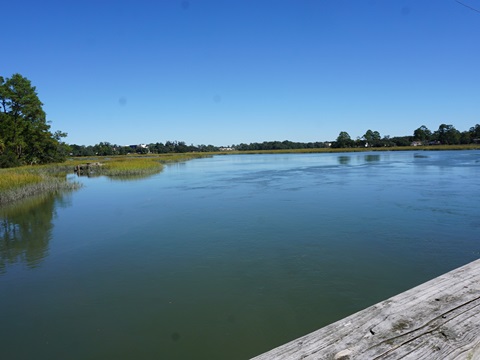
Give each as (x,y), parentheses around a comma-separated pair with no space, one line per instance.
(26,181)
(131,165)
(19,183)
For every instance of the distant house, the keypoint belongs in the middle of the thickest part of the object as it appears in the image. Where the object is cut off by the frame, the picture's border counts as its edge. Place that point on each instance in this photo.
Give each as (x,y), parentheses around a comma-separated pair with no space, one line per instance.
(225,148)
(135,147)
(416,143)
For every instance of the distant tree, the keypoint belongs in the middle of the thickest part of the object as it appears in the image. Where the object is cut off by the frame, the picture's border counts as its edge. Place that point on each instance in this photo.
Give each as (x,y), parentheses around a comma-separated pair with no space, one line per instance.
(181,147)
(447,134)
(344,140)
(24,130)
(465,137)
(401,140)
(387,141)
(104,149)
(123,150)
(422,134)
(372,138)
(475,132)
(169,146)
(142,150)
(81,150)
(278,145)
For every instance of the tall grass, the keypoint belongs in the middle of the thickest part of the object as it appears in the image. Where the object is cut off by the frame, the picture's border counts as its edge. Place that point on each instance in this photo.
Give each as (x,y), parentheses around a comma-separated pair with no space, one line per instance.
(140,165)
(50,185)
(12,180)
(130,166)
(26,181)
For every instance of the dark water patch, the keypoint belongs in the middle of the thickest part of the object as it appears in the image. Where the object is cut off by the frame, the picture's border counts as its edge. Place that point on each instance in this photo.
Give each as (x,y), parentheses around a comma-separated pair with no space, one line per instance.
(26,230)
(419,156)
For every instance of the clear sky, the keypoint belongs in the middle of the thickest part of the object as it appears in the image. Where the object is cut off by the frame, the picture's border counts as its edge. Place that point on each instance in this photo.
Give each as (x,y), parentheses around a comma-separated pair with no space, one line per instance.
(232,71)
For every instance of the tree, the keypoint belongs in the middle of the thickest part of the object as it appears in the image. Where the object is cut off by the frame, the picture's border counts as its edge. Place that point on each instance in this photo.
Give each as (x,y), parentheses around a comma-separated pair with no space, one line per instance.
(372,138)
(343,140)
(24,130)
(401,140)
(103,149)
(422,134)
(447,134)
(475,132)
(387,141)
(465,137)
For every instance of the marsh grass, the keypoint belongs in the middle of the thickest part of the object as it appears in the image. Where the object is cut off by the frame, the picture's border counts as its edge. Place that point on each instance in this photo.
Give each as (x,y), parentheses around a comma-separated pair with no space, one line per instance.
(130,166)
(13,190)
(26,181)
(22,182)
(141,165)
(12,180)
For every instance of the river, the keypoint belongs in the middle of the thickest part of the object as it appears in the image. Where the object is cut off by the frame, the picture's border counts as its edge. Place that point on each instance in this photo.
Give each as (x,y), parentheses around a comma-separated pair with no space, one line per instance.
(229,256)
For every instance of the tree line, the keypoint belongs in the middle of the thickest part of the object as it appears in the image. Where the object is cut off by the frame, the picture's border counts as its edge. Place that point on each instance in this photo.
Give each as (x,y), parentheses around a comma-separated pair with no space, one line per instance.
(106,149)
(25,135)
(445,135)
(279,145)
(26,138)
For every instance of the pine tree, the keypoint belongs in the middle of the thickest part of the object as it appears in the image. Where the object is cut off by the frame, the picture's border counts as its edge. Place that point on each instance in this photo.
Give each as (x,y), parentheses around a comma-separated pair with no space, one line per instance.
(24,132)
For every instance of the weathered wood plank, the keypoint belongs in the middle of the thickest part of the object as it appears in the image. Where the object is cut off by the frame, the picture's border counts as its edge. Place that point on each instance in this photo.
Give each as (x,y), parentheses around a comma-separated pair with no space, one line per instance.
(439,319)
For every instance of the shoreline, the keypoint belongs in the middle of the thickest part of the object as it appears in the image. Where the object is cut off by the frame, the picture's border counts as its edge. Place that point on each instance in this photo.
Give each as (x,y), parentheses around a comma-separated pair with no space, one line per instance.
(27,181)
(17,184)
(344,150)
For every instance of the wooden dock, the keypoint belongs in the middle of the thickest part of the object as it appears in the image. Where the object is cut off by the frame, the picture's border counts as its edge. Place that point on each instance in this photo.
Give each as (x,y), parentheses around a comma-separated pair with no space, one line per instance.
(439,319)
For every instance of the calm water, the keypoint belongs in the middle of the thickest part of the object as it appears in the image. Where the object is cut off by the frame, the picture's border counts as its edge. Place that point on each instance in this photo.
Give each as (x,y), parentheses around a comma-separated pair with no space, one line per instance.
(227,257)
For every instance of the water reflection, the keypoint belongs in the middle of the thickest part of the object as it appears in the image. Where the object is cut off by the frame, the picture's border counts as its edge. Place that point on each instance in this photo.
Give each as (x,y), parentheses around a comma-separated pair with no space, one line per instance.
(131,177)
(26,229)
(344,160)
(372,158)
(126,177)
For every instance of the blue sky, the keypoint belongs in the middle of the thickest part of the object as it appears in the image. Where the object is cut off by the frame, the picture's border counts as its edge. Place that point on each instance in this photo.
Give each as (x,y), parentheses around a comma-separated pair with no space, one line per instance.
(233,71)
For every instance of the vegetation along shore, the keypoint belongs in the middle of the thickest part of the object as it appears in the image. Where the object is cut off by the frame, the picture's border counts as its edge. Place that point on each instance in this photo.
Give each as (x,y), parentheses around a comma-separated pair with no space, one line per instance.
(18,183)
(33,159)
(25,181)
